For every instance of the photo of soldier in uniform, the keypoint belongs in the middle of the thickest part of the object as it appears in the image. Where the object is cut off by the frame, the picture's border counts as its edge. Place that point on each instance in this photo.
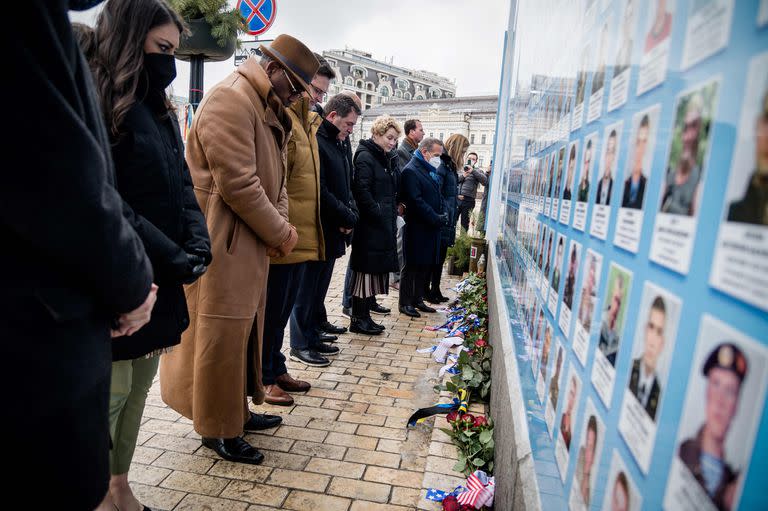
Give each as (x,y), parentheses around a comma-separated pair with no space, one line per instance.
(722,412)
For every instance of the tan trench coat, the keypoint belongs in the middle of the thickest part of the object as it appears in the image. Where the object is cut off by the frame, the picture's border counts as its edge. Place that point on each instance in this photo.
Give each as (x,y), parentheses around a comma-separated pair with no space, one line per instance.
(236,155)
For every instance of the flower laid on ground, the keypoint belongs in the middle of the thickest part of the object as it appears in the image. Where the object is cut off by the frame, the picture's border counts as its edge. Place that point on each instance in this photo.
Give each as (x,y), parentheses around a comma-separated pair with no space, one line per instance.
(473,436)
(474,366)
(451,504)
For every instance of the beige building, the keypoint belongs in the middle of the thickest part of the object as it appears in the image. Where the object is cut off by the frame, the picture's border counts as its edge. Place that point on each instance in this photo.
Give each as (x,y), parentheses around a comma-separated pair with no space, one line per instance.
(474,117)
(377,82)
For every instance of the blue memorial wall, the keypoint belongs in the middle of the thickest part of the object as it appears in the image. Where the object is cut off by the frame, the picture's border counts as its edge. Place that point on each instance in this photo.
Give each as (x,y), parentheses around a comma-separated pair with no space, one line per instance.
(629,224)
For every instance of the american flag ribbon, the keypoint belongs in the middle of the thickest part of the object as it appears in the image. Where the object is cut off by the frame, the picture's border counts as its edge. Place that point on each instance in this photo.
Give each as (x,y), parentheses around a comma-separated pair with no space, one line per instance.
(479,492)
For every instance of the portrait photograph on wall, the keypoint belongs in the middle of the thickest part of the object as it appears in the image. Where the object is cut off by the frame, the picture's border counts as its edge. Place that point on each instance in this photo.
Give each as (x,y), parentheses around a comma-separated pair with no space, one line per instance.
(613,319)
(656,45)
(637,172)
(622,68)
(590,283)
(555,384)
(681,188)
(587,453)
(567,420)
(621,493)
(604,184)
(569,287)
(585,180)
(556,275)
(740,267)
(723,407)
(571,179)
(599,76)
(655,335)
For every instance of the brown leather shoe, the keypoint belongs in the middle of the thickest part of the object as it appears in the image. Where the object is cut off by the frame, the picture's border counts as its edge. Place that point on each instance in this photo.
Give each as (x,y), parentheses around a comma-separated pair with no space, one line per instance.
(274,395)
(288,384)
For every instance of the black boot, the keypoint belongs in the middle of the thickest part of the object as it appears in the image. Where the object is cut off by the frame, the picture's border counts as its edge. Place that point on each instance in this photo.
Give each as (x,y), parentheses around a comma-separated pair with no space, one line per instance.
(361,322)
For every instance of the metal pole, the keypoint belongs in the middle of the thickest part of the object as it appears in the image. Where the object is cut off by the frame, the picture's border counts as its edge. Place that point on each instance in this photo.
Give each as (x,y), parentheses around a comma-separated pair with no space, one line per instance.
(196,80)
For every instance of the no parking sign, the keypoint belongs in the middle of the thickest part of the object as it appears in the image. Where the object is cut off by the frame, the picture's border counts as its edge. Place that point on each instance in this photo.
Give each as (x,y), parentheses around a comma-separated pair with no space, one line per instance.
(258,14)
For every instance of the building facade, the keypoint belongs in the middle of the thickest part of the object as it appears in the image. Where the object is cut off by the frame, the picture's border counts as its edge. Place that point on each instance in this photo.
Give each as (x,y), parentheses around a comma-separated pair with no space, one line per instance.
(473,117)
(377,82)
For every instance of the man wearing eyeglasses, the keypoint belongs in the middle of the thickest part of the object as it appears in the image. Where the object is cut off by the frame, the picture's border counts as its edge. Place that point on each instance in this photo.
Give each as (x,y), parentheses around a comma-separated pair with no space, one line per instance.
(643,381)
(236,151)
(292,277)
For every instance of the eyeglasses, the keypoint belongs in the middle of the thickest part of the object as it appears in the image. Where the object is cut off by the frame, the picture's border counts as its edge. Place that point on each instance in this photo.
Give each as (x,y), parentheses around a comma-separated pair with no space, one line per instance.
(322,94)
(294,90)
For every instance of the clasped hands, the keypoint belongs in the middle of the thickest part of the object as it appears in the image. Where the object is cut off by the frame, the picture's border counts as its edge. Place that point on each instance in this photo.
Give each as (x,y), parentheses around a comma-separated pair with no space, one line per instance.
(287,246)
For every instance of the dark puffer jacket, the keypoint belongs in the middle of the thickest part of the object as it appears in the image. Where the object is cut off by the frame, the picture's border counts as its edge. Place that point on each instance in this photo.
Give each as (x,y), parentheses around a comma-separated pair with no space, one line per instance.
(153,179)
(448,184)
(375,185)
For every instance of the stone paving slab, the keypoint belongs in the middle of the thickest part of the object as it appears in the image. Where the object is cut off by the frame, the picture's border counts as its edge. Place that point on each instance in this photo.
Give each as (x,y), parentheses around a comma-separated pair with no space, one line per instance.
(343,445)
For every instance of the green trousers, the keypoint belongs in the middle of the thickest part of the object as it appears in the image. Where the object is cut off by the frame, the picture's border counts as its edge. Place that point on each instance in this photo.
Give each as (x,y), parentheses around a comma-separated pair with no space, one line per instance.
(131,380)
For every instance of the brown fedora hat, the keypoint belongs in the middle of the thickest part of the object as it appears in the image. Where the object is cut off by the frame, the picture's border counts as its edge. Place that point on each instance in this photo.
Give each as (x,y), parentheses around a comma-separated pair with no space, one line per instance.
(294,57)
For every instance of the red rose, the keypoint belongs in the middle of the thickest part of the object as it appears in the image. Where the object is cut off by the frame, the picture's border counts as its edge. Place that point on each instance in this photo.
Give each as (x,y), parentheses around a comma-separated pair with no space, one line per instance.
(480,420)
(452,416)
(467,507)
(480,343)
(468,419)
(451,504)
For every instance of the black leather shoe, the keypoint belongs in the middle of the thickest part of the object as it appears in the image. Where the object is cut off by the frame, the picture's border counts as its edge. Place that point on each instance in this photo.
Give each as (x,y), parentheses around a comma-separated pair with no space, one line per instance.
(234,449)
(261,421)
(346,311)
(325,350)
(378,326)
(361,326)
(309,357)
(323,337)
(441,298)
(423,307)
(431,298)
(330,328)
(378,309)
(408,310)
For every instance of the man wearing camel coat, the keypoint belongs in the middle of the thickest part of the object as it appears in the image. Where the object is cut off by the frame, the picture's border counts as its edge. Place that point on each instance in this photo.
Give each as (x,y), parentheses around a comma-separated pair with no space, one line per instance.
(236,155)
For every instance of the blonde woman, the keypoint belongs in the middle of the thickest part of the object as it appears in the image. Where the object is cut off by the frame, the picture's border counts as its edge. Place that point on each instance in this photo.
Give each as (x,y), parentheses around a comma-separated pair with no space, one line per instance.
(374,246)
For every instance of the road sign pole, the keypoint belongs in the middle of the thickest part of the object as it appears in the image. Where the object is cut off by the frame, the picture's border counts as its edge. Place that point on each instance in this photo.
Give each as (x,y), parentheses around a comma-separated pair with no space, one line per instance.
(196,80)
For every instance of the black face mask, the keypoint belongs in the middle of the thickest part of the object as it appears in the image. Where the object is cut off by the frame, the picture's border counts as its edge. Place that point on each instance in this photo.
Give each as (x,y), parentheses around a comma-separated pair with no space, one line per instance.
(160,70)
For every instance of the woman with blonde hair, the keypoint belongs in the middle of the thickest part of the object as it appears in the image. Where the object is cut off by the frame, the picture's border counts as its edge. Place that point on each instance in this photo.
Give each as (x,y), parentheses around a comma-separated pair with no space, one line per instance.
(374,245)
(455,151)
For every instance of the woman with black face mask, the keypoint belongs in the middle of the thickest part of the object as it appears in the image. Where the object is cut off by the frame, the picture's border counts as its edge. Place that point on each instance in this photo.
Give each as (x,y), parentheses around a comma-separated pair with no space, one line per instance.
(133,63)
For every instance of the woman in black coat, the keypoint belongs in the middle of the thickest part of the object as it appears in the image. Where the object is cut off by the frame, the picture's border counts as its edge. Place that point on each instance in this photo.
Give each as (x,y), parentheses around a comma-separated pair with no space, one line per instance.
(133,63)
(374,245)
(455,150)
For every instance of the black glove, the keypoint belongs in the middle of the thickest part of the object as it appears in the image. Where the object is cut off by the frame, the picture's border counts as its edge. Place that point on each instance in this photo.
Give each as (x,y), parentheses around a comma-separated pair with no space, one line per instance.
(195,267)
(204,253)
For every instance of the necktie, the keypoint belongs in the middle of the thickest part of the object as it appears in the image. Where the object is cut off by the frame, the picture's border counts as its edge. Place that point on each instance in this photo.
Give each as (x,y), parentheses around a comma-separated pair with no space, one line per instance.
(643,397)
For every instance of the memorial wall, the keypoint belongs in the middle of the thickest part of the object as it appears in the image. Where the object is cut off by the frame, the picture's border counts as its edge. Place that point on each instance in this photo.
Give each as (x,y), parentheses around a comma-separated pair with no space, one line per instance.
(630,246)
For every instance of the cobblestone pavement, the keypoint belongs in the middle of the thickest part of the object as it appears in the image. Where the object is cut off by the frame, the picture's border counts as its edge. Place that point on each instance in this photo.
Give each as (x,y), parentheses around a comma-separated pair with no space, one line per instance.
(342,446)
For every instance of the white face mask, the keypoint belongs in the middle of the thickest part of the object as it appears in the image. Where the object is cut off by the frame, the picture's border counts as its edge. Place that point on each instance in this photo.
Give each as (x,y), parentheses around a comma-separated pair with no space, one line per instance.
(435,161)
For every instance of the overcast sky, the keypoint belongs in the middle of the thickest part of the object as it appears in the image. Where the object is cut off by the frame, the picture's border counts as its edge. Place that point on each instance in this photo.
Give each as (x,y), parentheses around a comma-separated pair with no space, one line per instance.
(454,38)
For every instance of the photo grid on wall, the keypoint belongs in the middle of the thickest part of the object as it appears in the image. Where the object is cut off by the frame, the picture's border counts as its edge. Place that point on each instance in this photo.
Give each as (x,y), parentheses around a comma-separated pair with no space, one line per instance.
(639,250)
